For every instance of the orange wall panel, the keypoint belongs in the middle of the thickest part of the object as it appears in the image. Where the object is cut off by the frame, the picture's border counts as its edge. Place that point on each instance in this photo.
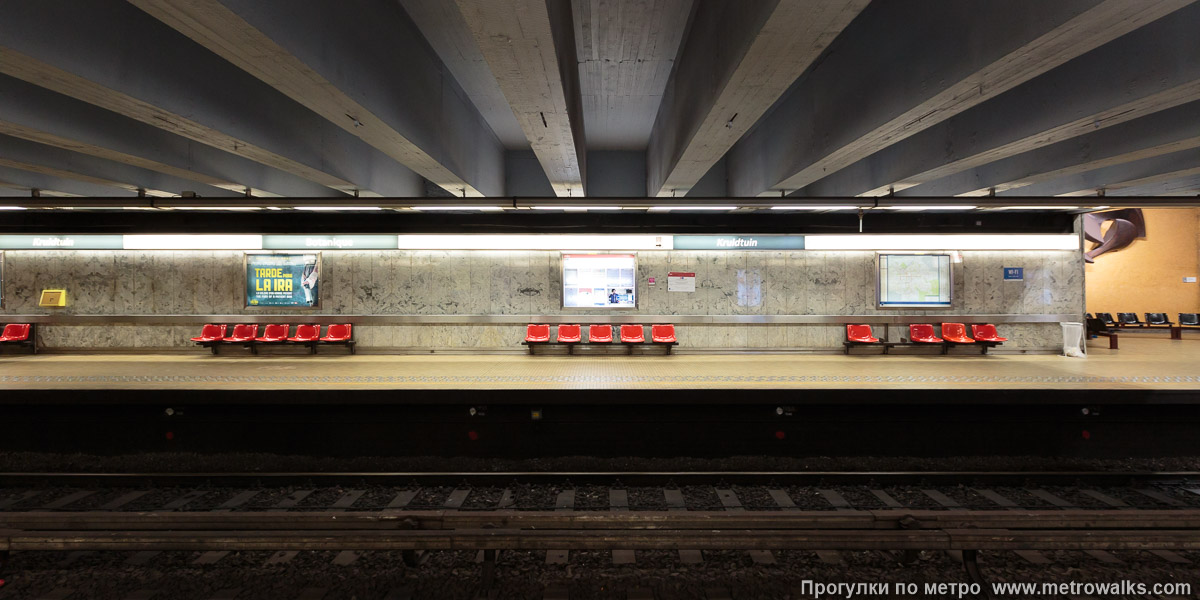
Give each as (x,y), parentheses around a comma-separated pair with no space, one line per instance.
(1147,276)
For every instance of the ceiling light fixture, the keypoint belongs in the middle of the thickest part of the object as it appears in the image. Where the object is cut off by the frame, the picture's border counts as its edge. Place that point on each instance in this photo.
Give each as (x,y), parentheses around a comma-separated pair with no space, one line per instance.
(813,207)
(933,207)
(693,208)
(336,208)
(456,208)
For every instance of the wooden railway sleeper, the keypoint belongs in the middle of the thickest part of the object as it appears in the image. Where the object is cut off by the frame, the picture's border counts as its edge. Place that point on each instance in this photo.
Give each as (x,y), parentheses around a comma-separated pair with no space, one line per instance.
(489,573)
(488,576)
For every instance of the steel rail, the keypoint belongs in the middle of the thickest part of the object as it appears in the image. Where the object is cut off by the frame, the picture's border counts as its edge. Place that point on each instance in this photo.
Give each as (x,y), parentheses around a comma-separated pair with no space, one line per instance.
(629,478)
(661,539)
(545,520)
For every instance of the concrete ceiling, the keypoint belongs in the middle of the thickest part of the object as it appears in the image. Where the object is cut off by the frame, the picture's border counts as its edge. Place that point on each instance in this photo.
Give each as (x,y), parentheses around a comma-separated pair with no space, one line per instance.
(411,98)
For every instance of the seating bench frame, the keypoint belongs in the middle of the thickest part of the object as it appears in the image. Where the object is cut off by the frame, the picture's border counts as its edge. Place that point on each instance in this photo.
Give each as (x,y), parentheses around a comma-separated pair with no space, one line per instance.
(571,345)
(887,346)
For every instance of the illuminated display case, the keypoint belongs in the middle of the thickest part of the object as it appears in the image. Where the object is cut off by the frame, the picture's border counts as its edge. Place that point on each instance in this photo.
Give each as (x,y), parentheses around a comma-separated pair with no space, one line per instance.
(599,280)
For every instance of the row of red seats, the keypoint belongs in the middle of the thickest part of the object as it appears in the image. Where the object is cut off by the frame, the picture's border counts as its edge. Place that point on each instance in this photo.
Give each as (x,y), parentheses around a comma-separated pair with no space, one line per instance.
(212,336)
(984,336)
(19,334)
(663,334)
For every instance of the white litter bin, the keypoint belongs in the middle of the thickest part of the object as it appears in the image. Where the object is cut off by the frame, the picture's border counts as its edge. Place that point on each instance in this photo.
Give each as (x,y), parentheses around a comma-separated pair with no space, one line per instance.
(1073,340)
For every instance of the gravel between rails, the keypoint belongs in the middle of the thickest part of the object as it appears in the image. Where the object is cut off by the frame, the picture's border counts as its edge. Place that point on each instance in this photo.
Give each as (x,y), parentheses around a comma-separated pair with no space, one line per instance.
(184,462)
(596,498)
(588,575)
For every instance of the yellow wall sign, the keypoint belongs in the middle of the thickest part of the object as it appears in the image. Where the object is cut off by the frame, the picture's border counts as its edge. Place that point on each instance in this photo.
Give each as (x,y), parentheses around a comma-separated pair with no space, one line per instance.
(53,298)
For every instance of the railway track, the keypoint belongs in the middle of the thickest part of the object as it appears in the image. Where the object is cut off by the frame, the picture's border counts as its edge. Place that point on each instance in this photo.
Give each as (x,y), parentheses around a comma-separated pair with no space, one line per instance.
(1034,516)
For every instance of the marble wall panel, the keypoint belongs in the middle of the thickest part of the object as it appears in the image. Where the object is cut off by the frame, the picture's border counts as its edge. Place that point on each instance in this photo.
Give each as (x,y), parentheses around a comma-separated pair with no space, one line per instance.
(527,282)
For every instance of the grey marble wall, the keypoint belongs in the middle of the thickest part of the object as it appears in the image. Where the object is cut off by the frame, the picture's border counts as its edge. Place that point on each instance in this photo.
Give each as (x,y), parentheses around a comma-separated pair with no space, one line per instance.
(524,283)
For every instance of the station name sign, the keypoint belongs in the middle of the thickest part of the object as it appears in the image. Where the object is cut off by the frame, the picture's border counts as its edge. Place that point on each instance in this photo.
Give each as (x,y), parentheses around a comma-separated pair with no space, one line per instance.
(739,242)
(329,242)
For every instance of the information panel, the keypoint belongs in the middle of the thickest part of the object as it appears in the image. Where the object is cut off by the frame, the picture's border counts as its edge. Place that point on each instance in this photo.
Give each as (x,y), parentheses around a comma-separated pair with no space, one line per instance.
(918,280)
(283,280)
(599,280)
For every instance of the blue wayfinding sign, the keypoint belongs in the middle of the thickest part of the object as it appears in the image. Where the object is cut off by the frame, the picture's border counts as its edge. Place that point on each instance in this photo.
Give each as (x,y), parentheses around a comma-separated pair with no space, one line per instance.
(1014,273)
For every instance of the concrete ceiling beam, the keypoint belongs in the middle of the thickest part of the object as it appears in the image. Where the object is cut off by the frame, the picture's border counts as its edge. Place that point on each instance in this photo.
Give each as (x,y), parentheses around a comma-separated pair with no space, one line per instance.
(133,178)
(9,189)
(1163,132)
(625,49)
(1184,183)
(530,47)
(878,86)
(1110,178)
(443,26)
(115,56)
(43,177)
(737,60)
(356,63)
(1153,68)
(39,115)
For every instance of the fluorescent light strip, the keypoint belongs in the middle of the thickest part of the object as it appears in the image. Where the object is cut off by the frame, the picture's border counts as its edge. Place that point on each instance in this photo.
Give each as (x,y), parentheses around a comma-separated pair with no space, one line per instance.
(692,208)
(932,207)
(942,242)
(230,208)
(813,207)
(456,208)
(12,208)
(336,208)
(535,242)
(578,208)
(193,242)
(1037,208)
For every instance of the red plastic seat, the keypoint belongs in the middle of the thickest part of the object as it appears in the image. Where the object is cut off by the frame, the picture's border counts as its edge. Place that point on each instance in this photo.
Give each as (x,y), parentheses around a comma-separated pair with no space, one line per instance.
(569,334)
(632,334)
(15,332)
(662,334)
(306,333)
(986,333)
(210,333)
(537,333)
(242,333)
(860,334)
(923,334)
(337,333)
(956,333)
(600,334)
(274,333)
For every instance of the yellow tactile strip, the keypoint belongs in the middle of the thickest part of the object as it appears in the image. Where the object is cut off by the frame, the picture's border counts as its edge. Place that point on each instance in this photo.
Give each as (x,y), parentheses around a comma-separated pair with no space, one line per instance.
(1141,363)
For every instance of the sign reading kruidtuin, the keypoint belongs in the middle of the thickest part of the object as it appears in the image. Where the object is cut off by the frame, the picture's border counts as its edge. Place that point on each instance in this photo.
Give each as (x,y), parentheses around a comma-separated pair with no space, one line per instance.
(739,242)
(283,280)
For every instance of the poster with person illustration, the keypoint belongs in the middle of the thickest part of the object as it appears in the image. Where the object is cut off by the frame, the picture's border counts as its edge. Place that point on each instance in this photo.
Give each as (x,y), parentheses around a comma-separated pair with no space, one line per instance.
(283,280)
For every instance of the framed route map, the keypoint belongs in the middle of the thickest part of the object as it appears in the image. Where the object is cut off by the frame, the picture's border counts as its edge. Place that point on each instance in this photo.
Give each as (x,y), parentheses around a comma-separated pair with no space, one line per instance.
(913,280)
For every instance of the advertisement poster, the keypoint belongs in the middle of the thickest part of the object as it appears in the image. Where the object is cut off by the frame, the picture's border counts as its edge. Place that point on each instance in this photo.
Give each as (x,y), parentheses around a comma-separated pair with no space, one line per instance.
(283,280)
(599,280)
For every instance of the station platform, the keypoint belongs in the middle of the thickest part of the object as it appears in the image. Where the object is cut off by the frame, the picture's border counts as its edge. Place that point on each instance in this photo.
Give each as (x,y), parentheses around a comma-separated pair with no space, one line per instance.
(1141,400)
(1143,363)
